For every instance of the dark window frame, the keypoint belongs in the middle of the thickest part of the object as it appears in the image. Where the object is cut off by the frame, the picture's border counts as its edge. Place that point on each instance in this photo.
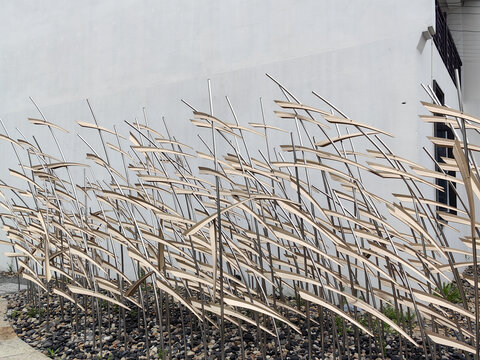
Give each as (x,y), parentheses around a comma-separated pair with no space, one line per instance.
(448,195)
(445,44)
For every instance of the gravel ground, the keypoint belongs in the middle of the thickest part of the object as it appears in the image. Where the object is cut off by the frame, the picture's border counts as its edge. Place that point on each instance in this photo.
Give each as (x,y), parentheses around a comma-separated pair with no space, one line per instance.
(65,336)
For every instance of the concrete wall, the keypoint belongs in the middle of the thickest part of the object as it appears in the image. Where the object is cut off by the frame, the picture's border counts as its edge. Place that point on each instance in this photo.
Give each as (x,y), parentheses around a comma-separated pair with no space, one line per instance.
(368,57)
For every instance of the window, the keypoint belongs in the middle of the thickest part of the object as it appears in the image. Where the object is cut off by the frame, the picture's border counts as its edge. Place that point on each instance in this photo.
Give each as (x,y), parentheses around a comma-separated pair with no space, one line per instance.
(445,44)
(448,195)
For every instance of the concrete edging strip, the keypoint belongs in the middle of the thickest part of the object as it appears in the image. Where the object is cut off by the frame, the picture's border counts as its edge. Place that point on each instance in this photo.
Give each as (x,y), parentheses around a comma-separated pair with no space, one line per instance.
(11,346)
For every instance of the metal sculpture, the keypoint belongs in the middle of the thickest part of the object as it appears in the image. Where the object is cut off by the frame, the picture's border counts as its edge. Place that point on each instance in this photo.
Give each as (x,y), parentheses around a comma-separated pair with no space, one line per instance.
(291,223)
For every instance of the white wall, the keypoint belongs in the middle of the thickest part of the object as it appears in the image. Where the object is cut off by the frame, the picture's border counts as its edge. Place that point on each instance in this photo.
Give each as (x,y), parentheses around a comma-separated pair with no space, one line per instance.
(464,23)
(367,57)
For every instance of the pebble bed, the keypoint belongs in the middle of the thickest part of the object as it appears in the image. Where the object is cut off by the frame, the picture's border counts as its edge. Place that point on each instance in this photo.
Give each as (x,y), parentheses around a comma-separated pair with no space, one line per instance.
(64,337)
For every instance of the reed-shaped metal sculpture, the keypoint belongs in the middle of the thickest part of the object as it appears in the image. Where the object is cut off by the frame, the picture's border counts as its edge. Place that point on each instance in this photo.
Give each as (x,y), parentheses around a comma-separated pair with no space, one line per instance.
(255,238)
